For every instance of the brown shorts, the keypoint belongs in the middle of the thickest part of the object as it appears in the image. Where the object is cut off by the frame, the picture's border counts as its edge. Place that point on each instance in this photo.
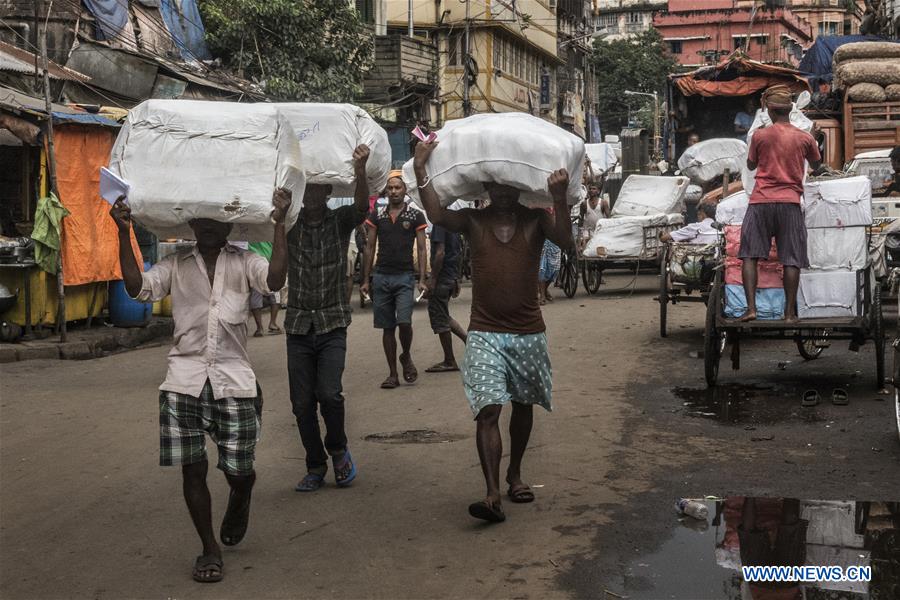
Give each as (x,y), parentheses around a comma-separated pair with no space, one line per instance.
(782,220)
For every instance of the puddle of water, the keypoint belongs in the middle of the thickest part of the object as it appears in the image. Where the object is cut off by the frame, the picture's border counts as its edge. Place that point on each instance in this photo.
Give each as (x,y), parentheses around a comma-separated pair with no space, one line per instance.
(733,403)
(700,562)
(413,436)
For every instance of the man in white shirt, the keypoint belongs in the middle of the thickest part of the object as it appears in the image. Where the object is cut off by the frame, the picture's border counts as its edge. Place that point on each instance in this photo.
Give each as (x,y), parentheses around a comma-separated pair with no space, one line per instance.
(701,232)
(210,387)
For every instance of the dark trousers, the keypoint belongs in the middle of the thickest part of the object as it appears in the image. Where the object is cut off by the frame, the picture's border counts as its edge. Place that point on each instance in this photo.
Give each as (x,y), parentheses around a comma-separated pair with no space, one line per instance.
(315,368)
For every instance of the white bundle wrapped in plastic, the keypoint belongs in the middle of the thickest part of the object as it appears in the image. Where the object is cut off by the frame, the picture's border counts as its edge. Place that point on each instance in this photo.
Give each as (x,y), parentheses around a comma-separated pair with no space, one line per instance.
(732,209)
(827,294)
(603,157)
(513,149)
(328,135)
(798,120)
(706,160)
(186,159)
(833,248)
(693,194)
(643,195)
(845,202)
(623,237)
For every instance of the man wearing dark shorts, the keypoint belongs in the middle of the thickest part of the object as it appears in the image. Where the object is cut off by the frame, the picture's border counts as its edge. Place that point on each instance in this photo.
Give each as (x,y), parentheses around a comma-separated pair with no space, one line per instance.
(777,152)
(506,351)
(444,283)
(392,231)
(210,388)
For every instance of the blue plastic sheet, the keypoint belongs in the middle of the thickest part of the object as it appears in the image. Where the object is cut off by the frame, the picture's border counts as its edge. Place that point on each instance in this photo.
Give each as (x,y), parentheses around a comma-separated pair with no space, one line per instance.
(816,64)
(182,19)
(769,302)
(111,17)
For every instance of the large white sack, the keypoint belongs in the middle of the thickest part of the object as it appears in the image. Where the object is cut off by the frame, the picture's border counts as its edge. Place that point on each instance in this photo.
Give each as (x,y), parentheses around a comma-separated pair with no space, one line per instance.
(732,209)
(798,120)
(827,294)
(834,248)
(187,159)
(693,194)
(706,160)
(845,202)
(328,135)
(650,195)
(513,149)
(624,236)
(603,157)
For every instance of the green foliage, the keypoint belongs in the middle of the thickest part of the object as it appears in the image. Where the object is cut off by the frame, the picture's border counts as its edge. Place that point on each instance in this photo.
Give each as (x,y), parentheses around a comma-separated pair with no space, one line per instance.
(640,64)
(307,50)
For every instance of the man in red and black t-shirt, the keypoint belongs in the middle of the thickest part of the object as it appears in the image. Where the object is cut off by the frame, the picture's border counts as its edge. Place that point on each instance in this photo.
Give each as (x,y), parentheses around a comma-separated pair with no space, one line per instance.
(393,229)
(777,152)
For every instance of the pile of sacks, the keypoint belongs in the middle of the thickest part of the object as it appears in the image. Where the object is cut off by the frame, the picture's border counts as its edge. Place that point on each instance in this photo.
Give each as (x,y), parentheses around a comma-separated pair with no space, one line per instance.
(837,214)
(643,201)
(705,161)
(186,160)
(869,71)
(770,273)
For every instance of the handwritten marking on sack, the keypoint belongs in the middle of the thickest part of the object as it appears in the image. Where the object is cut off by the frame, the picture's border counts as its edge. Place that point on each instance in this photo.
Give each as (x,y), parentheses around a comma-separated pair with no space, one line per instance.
(234,207)
(304,133)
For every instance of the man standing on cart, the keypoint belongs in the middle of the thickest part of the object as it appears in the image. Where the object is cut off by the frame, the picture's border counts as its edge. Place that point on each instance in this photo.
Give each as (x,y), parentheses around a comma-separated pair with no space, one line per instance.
(777,152)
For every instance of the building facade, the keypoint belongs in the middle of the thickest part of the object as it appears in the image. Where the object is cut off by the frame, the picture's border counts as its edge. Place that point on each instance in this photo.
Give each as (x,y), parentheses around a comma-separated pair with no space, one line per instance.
(616,19)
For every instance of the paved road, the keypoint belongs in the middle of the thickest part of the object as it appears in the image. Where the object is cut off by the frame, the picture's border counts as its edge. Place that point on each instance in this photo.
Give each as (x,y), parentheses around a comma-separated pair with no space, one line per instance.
(85,512)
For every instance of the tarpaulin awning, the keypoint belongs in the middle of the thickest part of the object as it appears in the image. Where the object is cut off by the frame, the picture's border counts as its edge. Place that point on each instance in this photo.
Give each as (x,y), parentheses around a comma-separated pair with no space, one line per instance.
(182,19)
(90,249)
(737,75)
(817,63)
(84,119)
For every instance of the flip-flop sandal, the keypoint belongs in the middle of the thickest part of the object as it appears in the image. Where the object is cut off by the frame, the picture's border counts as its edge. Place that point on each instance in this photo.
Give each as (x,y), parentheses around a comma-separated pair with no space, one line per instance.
(276,331)
(389,383)
(208,563)
(234,525)
(441,368)
(342,478)
(258,334)
(487,512)
(839,397)
(521,494)
(310,482)
(810,398)
(410,374)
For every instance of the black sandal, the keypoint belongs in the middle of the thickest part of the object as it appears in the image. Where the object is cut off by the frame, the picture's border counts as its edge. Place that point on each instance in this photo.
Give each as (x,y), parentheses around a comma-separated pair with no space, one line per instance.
(208,563)
(487,512)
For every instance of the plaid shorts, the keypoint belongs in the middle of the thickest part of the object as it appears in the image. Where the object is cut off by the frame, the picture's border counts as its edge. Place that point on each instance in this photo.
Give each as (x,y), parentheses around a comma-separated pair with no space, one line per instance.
(234,424)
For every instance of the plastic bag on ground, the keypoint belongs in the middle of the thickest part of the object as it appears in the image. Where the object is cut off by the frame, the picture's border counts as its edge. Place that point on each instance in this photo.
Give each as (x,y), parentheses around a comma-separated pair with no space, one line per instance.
(643,195)
(187,159)
(328,135)
(845,202)
(706,160)
(798,120)
(513,149)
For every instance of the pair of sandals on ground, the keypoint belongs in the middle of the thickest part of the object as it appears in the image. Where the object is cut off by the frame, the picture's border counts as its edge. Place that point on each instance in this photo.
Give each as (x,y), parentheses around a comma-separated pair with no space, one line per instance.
(518,493)
(273,330)
(839,397)
(208,568)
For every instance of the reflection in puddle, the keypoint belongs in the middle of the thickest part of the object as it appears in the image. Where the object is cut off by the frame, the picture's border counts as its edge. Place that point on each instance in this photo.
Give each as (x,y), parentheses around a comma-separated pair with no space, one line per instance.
(704,560)
(737,403)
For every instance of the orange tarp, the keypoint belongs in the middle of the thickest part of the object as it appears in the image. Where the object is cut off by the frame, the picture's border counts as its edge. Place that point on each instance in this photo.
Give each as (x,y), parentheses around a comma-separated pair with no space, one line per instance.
(740,86)
(90,243)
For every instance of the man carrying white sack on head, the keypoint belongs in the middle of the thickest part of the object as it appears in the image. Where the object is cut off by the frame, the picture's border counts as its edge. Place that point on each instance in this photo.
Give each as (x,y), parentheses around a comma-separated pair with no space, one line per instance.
(506,351)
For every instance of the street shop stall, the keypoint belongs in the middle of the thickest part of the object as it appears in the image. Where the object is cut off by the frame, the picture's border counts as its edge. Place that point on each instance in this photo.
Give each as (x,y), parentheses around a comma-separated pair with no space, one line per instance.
(38,227)
(838,299)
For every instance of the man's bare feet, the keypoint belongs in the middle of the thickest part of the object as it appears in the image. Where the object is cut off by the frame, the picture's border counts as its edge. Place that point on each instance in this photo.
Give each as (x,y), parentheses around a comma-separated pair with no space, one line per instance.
(390,383)
(791,319)
(750,315)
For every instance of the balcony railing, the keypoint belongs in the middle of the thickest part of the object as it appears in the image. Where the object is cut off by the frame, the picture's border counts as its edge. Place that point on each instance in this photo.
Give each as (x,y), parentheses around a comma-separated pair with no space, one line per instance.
(401,62)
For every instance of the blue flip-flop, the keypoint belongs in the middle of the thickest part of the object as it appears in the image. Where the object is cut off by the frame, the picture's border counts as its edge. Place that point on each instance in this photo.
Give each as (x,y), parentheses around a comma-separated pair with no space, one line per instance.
(348,479)
(310,483)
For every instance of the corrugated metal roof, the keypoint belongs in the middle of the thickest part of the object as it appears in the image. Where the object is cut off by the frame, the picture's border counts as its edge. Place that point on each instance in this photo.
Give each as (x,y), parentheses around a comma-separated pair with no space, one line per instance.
(13,58)
(18,101)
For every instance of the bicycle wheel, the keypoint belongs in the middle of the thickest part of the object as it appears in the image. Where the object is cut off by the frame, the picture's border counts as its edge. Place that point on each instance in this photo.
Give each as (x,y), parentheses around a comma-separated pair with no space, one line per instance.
(590,274)
(569,275)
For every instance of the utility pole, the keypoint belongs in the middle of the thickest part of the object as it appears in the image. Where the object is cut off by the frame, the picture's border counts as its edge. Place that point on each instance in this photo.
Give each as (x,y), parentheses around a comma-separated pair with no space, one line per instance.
(51,169)
(467,105)
(411,18)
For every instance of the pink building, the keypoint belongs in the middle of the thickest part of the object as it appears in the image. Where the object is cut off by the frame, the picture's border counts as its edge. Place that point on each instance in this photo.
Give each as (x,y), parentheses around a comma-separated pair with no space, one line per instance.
(703,31)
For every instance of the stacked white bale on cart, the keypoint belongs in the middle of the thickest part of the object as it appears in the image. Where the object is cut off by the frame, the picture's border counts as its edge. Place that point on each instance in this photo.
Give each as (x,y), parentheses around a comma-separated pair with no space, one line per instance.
(514,149)
(868,71)
(186,159)
(837,214)
(644,202)
(328,135)
(770,273)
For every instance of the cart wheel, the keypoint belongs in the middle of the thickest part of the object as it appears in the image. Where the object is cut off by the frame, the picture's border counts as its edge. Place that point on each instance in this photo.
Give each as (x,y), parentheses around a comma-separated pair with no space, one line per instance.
(570,277)
(590,274)
(878,337)
(663,296)
(713,338)
(811,348)
(897,408)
